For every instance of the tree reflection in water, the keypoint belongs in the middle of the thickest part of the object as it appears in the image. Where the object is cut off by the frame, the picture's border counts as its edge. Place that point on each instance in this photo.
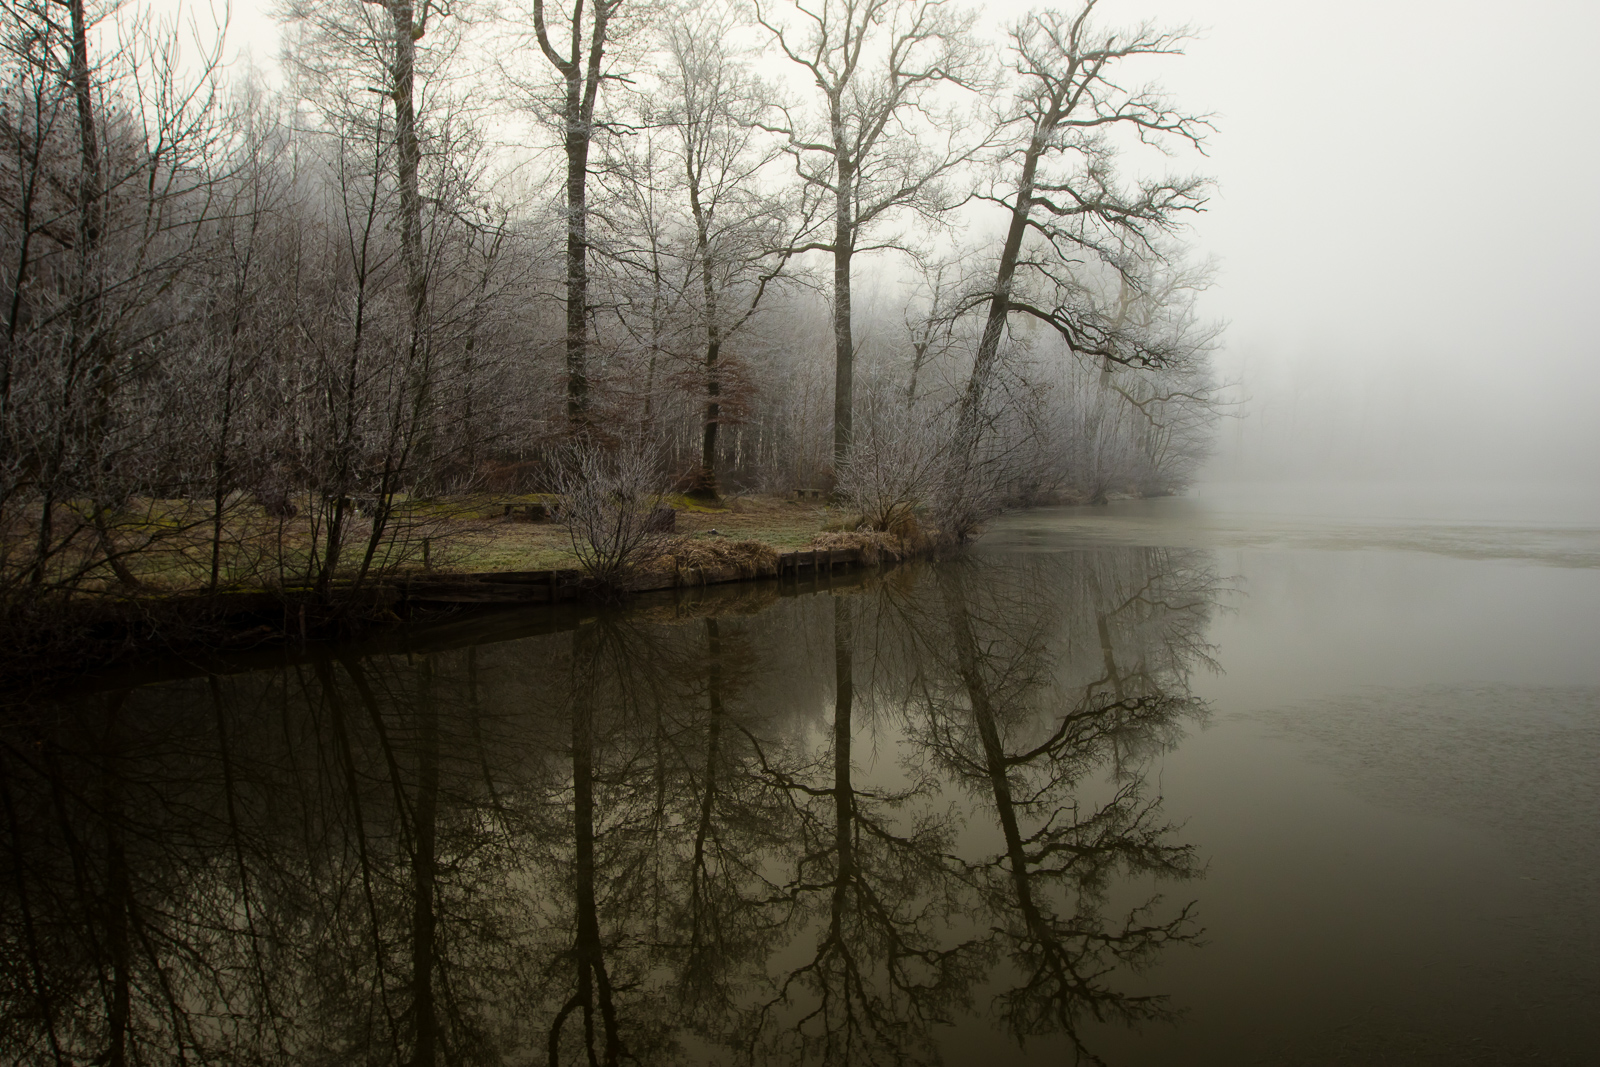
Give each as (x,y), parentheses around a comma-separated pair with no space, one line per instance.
(993,662)
(807,833)
(873,890)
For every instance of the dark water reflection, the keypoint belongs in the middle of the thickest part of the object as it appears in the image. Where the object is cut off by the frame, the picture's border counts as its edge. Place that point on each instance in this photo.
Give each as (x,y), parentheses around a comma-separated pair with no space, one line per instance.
(792,829)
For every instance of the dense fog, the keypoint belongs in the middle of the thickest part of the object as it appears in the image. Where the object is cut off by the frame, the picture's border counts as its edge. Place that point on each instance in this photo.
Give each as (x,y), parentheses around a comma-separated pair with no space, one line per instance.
(1406,259)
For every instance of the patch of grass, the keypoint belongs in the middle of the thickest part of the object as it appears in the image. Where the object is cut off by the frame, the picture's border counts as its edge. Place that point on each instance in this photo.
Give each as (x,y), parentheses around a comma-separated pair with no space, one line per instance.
(684,502)
(506,545)
(168,543)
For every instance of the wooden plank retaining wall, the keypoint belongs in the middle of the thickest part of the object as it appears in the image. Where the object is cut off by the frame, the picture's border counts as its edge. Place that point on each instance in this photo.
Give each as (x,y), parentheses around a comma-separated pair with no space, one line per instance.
(553,586)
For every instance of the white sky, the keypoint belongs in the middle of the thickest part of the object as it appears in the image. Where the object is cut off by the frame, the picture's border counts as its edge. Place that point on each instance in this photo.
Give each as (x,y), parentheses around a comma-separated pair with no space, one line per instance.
(1407,219)
(1408,223)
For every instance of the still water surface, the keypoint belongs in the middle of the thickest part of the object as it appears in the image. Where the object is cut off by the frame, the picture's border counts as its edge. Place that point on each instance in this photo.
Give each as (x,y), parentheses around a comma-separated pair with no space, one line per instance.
(1235,778)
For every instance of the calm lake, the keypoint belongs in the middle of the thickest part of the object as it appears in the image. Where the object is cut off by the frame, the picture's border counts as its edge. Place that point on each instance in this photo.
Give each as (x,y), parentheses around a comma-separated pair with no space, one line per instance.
(1262,775)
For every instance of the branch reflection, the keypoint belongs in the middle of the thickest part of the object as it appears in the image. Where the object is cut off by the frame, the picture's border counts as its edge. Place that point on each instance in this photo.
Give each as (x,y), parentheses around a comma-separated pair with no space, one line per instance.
(1013,714)
(814,833)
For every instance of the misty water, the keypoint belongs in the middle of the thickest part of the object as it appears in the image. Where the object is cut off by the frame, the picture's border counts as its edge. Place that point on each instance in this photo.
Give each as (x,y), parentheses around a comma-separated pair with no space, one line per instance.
(1250,776)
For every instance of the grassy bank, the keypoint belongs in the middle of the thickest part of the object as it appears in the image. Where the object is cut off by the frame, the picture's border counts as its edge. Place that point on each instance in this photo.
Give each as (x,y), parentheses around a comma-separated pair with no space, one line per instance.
(261,602)
(167,548)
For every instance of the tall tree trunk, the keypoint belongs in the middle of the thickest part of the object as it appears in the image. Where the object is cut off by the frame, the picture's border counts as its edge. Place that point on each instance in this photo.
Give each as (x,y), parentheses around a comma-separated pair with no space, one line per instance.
(582,76)
(408,161)
(706,482)
(658,328)
(28,174)
(844,353)
(577,147)
(89,175)
(91,228)
(969,422)
(963,508)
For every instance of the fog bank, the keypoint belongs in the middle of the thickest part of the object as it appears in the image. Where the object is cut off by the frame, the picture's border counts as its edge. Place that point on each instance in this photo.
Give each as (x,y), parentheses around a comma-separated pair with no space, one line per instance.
(1406,244)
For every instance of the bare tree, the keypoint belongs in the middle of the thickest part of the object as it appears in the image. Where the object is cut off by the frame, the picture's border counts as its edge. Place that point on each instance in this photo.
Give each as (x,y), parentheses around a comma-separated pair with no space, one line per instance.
(274,333)
(609,503)
(932,316)
(1066,204)
(637,273)
(244,317)
(390,354)
(742,236)
(587,32)
(877,65)
(111,164)
(1150,425)
(895,466)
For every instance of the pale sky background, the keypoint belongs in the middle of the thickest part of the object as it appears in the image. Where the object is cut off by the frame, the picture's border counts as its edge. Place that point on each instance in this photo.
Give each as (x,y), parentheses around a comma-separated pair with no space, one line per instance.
(1407,221)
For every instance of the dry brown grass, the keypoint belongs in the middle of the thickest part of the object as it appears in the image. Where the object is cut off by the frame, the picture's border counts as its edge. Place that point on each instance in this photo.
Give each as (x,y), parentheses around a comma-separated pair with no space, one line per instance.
(875,546)
(690,560)
(904,538)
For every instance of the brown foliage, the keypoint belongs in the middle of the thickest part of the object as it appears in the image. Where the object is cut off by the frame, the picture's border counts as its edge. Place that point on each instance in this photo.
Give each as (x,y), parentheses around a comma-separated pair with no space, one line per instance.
(696,560)
(875,546)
